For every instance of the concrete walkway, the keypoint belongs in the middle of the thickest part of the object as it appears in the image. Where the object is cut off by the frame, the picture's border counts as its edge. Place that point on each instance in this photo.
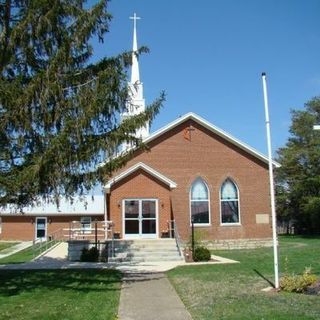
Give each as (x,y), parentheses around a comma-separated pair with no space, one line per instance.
(14,249)
(59,252)
(150,296)
(57,262)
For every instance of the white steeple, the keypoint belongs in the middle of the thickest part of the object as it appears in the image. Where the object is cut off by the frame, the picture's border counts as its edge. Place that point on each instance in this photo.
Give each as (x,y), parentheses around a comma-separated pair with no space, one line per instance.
(136,102)
(135,76)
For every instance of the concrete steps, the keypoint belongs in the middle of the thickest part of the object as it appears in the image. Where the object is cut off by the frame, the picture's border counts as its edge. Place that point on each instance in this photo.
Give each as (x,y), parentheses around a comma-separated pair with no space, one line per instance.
(146,250)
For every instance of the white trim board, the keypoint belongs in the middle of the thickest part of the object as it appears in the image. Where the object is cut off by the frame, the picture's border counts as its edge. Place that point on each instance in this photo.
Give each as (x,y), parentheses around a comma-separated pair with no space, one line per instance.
(137,166)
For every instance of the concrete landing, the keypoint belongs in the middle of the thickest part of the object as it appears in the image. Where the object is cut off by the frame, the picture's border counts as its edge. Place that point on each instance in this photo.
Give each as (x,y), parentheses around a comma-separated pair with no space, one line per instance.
(59,262)
(150,296)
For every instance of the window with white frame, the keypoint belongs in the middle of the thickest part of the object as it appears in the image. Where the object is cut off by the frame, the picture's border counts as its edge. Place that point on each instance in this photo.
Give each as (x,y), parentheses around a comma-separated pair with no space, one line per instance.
(229,202)
(85,224)
(200,202)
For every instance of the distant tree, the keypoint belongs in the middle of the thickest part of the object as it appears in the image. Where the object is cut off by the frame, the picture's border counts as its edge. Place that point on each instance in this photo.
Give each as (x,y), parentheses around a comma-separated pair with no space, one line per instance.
(59,114)
(298,179)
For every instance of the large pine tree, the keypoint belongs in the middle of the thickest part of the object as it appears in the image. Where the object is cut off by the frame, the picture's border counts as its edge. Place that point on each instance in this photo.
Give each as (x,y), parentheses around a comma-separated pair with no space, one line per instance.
(59,115)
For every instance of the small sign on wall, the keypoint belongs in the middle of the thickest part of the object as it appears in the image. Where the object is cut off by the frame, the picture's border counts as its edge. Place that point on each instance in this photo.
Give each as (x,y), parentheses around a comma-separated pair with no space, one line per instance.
(262,218)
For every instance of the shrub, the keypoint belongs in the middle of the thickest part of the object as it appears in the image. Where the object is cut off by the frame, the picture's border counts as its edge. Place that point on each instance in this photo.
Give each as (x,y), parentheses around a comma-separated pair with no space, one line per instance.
(201,254)
(298,283)
(91,255)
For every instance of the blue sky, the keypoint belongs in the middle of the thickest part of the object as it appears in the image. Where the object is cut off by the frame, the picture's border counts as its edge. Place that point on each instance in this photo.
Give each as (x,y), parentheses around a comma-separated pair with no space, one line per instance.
(208,57)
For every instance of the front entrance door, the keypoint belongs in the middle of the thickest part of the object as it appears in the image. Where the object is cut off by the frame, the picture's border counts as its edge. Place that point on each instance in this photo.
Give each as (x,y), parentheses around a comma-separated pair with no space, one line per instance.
(41,228)
(140,218)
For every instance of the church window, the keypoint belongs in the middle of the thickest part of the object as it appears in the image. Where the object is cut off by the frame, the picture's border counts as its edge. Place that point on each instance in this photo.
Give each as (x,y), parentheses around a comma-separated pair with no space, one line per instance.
(229,202)
(200,203)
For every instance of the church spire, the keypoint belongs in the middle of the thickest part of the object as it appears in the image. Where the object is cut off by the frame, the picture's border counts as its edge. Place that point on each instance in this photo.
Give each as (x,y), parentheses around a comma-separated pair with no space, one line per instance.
(135,76)
(136,102)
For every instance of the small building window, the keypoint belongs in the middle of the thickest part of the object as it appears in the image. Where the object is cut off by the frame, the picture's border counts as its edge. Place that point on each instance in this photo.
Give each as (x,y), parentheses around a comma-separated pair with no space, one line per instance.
(229,201)
(199,202)
(85,223)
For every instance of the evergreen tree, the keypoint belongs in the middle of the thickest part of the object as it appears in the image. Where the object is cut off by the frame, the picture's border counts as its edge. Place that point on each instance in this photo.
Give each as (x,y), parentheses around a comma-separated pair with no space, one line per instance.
(59,114)
(298,179)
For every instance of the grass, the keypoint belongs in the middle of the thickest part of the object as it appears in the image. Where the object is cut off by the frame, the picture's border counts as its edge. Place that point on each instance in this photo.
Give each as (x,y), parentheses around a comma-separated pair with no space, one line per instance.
(60,294)
(234,291)
(6,245)
(25,255)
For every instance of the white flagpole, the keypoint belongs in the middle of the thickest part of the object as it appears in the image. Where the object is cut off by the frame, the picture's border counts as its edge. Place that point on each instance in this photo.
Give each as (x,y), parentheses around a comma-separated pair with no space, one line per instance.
(271,181)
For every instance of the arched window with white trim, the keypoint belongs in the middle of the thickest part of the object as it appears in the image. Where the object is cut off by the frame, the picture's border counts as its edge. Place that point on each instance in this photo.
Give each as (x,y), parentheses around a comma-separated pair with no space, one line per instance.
(200,202)
(229,202)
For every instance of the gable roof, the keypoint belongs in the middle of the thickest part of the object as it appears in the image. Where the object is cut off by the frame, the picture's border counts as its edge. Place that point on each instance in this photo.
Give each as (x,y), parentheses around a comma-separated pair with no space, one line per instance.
(223,134)
(84,205)
(137,166)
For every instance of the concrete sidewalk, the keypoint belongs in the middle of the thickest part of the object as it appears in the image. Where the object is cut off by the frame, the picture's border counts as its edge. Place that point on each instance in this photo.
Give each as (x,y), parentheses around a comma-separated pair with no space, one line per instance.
(14,249)
(150,296)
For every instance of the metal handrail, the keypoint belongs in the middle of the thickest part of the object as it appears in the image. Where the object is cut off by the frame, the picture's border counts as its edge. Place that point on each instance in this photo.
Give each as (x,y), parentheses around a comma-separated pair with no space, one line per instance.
(111,224)
(173,231)
(39,246)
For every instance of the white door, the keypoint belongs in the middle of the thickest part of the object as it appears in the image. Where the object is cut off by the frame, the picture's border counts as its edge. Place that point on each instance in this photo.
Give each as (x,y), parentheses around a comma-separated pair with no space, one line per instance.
(41,228)
(140,218)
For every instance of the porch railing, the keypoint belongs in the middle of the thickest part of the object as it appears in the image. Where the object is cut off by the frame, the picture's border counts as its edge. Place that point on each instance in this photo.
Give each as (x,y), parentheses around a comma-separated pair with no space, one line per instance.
(99,231)
(102,230)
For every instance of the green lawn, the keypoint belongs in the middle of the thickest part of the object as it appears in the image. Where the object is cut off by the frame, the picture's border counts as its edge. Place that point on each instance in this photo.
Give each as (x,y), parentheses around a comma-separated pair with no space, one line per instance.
(234,291)
(25,255)
(5,245)
(60,294)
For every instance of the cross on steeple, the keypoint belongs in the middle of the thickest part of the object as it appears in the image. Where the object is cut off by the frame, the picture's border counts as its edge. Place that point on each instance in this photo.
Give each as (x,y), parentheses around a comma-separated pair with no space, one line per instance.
(134,18)
(135,76)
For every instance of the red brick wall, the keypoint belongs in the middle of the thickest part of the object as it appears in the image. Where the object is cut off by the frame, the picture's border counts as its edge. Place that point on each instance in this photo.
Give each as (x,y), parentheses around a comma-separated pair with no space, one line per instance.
(210,157)
(21,227)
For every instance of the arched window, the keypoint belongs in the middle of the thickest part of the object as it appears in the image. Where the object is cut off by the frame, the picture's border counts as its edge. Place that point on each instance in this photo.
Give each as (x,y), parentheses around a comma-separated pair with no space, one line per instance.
(229,200)
(199,202)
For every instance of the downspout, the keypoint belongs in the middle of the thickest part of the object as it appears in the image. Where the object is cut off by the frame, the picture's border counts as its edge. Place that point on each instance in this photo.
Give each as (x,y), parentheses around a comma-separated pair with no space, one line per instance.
(105,211)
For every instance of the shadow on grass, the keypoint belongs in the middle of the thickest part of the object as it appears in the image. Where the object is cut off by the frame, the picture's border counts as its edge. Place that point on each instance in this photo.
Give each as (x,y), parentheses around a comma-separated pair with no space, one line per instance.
(299,236)
(14,282)
(264,278)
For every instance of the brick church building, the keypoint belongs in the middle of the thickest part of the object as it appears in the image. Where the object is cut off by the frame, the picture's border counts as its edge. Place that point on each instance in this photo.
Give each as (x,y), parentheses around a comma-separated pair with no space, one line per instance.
(191,172)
